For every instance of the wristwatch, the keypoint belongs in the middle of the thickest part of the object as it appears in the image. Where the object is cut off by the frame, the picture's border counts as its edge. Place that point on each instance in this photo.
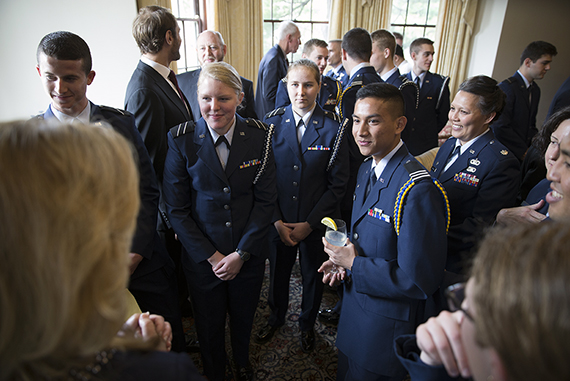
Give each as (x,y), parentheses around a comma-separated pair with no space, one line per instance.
(244,255)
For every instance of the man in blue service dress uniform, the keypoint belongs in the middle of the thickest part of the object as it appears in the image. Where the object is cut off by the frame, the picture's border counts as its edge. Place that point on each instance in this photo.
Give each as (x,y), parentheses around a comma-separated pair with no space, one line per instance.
(337,71)
(396,259)
(64,55)
(433,106)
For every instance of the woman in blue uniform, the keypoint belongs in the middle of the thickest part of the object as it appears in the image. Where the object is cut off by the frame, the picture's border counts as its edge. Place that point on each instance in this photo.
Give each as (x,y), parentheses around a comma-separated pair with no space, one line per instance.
(219,189)
(479,174)
(312,162)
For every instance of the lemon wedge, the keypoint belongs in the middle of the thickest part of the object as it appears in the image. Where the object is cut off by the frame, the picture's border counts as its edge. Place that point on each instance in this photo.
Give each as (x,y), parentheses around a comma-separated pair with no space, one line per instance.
(329,222)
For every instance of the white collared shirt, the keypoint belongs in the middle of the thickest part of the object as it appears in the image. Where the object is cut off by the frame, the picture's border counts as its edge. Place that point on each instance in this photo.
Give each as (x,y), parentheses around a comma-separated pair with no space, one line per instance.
(306,119)
(160,69)
(526,82)
(83,117)
(463,148)
(222,150)
(358,67)
(422,77)
(388,74)
(379,168)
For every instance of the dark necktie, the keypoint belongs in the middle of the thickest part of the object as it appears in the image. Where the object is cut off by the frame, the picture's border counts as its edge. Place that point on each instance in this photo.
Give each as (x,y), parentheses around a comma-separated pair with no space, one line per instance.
(371,182)
(418,81)
(300,131)
(456,151)
(220,140)
(172,78)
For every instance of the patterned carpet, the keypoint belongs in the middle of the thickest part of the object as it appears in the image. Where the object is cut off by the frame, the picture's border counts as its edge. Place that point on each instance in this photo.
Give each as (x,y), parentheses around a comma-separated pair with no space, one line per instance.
(281,359)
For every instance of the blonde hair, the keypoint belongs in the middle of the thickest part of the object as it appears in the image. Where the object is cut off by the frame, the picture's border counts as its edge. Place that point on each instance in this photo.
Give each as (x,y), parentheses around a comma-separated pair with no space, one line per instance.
(223,72)
(68,205)
(521,297)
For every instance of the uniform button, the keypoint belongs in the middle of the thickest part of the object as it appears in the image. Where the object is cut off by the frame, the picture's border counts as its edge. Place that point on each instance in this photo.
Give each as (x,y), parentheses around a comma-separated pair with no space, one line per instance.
(295,167)
(226,207)
(228,224)
(294,198)
(355,236)
(354,197)
(295,183)
(226,190)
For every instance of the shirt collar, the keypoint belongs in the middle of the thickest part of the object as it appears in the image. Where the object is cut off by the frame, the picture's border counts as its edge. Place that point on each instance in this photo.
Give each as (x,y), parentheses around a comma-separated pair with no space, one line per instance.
(358,67)
(306,118)
(527,83)
(336,69)
(388,74)
(161,69)
(422,76)
(229,135)
(83,117)
(465,146)
(379,168)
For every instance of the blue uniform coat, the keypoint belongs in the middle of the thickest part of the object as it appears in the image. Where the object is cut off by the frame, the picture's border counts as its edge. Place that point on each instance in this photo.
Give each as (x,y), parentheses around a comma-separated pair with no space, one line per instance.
(393,275)
(272,68)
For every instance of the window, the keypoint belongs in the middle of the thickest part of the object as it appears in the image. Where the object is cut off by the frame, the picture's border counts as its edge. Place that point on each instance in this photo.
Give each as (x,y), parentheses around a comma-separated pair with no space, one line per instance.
(188,13)
(312,17)
(414,19)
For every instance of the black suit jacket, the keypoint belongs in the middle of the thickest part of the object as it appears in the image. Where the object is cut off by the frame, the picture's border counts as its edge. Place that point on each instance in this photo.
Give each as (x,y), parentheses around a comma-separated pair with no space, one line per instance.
(188,83)
(157,108)
(272,68)
(516,126)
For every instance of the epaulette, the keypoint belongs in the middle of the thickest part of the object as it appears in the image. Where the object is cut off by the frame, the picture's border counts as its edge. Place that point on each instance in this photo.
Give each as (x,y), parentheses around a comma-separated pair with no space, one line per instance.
(501,154)
(332,115)
(256,123)
(38,117)
(267,146)
(408,83)
(445,81)
(182,128)
(114,110)
(277,111)
(337,142)
(284,80)
(366,159)
(417,173)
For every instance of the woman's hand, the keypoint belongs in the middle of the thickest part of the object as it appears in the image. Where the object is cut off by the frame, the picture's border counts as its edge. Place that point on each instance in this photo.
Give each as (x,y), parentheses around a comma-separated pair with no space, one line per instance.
(147,326)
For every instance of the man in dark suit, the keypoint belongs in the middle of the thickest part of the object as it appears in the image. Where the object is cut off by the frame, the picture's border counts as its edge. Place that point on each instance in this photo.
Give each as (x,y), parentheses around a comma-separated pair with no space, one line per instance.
(396,259)
(337,71)
(356,50)
(433,106)
(64,66)
(155,100)
(561,98)
(273,66)
(316,51)
(382,58)
(517,125)
(210,47)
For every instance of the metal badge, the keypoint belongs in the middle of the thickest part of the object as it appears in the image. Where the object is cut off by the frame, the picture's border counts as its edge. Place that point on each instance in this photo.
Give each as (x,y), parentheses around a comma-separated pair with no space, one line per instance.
(471,169)
(475,162)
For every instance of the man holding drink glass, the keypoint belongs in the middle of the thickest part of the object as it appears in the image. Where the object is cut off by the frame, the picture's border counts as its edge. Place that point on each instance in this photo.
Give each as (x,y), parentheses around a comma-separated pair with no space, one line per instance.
(395,260)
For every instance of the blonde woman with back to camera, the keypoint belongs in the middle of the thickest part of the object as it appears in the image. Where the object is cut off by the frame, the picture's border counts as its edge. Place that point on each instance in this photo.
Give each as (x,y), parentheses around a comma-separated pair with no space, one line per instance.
(68,207)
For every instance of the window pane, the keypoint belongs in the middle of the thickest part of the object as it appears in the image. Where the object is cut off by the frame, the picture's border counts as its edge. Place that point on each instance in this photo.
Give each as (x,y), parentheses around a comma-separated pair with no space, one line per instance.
(189,34)
(433,9)
(267,7)
(399,11)
(301,10)
(267,36)
(184,8)
(281,10)
(417,12)
(321,10)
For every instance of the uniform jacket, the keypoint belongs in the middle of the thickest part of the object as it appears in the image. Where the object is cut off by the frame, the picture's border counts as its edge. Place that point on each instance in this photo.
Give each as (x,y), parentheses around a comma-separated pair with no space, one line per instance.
(328,96)
(393,274)
(157,108)
(188,83)
(561,98)
(211,209)
(516,125)
(411,93)
(341,76)
(272,68)
(539,193)
(145,234)
(421,132)
(307,190)
(482,181)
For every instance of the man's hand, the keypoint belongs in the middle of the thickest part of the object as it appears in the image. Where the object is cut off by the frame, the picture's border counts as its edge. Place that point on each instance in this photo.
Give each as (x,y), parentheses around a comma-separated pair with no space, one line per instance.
(332,279)
(300,230)
(341,256)
(229,267)
(135,260)
(440,341)
(284,233)
(521,214)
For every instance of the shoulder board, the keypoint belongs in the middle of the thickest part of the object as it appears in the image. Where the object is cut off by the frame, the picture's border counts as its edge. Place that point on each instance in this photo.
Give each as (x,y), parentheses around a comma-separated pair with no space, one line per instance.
(114,110)
(332,115)
(39,117)
(511,80)
(256,123)
(357,81)
(367,158)
(500,152)
(277,111)
(404,78)
(440,76)
(416,170)
(284,79)
(182,128)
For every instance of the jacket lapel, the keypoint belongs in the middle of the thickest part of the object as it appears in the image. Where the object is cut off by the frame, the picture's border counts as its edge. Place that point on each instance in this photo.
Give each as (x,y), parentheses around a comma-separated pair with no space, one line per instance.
(463,162)
(239,148)
(312,130)
(290,131)
(206,150)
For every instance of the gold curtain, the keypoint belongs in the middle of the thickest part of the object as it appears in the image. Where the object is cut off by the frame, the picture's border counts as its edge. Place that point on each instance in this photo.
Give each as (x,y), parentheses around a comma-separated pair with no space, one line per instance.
(368,14)
(241,24)
(162,3)
(453,40)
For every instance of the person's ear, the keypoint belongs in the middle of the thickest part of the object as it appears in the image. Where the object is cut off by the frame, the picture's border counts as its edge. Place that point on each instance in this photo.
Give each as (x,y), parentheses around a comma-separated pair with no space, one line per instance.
(39,71)
(401,124)
(90,77)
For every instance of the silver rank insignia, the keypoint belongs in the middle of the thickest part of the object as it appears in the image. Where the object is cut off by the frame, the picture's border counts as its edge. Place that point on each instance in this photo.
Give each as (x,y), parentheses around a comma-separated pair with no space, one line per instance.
(504,152)
(474,162)
(202,136)
(471,169)
(471,151)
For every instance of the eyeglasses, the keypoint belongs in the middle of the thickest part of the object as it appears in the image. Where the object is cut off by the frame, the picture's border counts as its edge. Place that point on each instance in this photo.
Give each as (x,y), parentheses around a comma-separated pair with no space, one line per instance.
(455,294)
